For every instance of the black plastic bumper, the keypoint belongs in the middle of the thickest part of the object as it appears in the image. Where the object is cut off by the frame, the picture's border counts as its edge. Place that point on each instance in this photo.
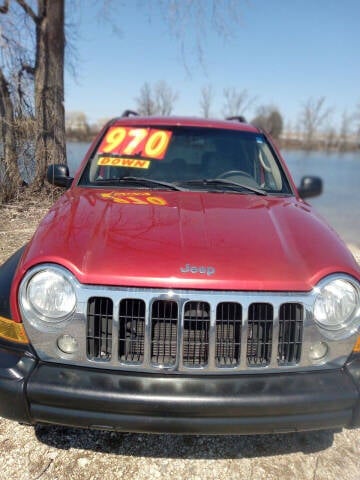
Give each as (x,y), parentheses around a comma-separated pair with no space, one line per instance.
(33,392)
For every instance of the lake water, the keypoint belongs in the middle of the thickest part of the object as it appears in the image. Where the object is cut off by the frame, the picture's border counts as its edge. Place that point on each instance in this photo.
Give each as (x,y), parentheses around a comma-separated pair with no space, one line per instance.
(340,202)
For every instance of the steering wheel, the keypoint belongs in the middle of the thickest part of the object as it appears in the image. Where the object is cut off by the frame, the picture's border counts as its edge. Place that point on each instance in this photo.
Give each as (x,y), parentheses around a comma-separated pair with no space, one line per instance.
(231,173)
(267,168)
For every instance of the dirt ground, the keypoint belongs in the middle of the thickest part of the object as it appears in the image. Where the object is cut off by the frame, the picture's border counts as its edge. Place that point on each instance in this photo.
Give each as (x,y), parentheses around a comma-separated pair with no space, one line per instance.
(67,453)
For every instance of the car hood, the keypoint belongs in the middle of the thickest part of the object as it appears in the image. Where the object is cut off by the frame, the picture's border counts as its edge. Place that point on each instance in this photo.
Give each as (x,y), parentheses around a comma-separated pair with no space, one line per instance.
(199,240)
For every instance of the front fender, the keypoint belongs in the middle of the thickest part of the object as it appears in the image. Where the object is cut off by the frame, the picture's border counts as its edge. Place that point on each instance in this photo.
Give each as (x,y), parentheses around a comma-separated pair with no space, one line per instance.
(7,272)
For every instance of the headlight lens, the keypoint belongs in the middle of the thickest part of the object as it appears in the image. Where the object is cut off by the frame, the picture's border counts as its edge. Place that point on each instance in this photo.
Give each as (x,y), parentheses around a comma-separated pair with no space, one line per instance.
(49,294)
(335,308)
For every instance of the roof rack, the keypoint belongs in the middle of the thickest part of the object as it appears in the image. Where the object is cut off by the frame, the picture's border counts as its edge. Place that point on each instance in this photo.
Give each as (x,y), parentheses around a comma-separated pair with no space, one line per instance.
(129,113)
(237,118)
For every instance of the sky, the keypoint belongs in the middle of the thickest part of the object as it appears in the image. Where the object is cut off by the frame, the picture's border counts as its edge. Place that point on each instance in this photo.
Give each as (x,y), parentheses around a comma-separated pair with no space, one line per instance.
(283,52)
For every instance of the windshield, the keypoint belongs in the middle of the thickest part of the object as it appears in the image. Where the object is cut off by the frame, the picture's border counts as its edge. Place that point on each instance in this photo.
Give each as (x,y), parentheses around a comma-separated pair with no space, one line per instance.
(185,158)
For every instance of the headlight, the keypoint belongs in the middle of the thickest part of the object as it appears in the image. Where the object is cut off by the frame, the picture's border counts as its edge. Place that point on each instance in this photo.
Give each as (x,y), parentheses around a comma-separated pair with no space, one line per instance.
(336,309)
(47,295)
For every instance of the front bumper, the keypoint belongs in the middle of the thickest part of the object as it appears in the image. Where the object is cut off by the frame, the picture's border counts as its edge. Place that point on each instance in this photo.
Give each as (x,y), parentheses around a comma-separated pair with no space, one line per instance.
(35,392)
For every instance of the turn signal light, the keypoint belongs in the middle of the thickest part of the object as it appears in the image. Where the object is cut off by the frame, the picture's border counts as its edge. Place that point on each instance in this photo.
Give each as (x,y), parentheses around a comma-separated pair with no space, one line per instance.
(10,330)
(356,348)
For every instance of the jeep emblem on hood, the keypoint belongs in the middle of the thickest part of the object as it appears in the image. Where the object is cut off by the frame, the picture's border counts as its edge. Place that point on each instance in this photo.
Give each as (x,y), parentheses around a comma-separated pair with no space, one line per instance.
(203,270)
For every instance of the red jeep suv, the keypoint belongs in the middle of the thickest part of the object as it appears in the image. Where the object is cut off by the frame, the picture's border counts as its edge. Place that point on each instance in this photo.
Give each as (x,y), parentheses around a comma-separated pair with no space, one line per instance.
(181,284)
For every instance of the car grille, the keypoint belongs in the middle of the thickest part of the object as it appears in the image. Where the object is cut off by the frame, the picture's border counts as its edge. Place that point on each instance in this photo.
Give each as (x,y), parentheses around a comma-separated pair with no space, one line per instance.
(188,335)
(99,327)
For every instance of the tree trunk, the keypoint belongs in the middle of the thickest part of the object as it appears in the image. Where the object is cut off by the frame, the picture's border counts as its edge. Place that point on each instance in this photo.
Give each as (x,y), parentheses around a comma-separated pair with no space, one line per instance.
(9,171)
(50,144)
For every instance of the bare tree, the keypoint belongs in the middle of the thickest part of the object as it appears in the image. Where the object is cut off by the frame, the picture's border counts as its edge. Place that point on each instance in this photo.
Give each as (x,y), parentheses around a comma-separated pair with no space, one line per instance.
(46,66)
(15,103)
(330,138)
(9,172)
(145,101)
(49,85)
(190,21)
(165,98)
(76,122)
(347,120)
(236,102)
(269,119)
(357,121)
(313,115)
(206,100)
(157,100)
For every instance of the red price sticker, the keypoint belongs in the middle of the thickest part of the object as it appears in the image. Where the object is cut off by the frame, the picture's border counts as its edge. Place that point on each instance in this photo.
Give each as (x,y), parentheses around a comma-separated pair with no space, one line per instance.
(144,142)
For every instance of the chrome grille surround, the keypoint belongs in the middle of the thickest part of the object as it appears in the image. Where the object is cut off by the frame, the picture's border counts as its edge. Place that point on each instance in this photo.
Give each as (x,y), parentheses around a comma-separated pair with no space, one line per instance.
(44,340)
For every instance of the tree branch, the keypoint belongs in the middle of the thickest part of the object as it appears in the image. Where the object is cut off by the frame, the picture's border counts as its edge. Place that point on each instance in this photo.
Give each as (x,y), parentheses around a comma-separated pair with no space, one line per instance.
(4,8)
(25,67)
(3,82)
(28,10)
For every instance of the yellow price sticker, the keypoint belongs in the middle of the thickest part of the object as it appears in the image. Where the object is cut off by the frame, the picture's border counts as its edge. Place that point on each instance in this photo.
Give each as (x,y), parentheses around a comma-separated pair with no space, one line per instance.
(123,162)
(134,198)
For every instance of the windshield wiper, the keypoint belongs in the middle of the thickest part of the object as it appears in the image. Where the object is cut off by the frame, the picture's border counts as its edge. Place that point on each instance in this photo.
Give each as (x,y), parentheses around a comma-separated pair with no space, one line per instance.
(225,183)
(140,181)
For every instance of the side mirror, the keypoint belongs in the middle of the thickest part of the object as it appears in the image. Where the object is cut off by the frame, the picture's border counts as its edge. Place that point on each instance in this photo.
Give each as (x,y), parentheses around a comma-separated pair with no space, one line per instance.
(59,175)
(310,187)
